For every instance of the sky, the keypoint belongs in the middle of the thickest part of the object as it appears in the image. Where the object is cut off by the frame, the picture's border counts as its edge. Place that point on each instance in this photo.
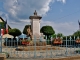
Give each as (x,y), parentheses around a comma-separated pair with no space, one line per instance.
(62,15)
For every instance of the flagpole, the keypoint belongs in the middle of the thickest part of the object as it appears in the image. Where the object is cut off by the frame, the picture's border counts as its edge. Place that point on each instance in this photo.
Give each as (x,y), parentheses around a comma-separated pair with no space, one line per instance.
(6,27)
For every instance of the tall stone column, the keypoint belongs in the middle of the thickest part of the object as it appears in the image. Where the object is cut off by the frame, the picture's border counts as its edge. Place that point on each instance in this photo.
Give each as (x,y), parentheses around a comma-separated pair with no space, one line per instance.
(35,24)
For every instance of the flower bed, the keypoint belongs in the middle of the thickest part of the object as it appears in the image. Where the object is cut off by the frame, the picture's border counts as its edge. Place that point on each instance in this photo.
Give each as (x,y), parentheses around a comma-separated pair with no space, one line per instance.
(78,41)
(38,48)
(57,41)
(24,42)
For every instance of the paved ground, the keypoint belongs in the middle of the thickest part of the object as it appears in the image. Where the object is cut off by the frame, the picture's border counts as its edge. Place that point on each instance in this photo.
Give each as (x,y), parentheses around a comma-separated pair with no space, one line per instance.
(62,58)
(38,53)
(59,51)
(65,58)
(24,59)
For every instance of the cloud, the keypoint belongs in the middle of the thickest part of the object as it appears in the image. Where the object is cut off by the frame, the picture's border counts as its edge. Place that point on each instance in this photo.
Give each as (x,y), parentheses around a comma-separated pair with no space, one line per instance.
(63,1)
(22,9)
(67,28)
(20,25)
(3,15)
(17,13)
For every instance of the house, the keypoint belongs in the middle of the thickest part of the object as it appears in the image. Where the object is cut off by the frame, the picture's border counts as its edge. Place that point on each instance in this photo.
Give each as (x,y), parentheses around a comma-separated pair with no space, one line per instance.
(3,26)
(1,20)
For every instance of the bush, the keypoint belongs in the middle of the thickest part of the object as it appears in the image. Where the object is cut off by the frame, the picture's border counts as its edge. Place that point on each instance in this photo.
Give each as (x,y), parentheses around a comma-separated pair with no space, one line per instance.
(7,54)
(77,51)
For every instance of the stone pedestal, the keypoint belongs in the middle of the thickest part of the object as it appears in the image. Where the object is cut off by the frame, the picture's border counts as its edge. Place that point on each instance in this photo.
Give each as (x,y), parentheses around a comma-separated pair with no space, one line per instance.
(39,40)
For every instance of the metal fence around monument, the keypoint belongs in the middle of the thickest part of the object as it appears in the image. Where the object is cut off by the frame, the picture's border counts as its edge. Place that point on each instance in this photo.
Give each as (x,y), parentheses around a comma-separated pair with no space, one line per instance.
(40,48)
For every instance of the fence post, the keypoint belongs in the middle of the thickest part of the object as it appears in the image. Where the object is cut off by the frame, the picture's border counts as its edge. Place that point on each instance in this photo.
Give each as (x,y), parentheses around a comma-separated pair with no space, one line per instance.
(51,40)
(41,45)
(46,46)
(70,44)
(17,45)
(6,41)
(1,40)
(66,47)
(35,47)
(74,45)
(0,43)
(51,48)
(17,42)
(46,40)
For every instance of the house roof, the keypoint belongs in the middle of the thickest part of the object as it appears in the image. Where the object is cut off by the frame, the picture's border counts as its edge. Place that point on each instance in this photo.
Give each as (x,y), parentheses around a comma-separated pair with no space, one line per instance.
(1,20)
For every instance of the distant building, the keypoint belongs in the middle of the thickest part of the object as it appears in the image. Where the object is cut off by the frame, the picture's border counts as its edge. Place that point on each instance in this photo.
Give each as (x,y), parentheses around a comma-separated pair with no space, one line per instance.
(3,26)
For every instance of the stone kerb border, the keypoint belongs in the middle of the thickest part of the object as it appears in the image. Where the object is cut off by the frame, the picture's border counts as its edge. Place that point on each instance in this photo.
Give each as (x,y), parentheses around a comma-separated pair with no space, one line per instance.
(65,58)
(2,56)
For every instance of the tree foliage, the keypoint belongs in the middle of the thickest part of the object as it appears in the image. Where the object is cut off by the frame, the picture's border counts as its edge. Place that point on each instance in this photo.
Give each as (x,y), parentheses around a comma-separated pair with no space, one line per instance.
(47,30)
(2,26)
(15,32)
(54,35)
(59,35)
(25,29)
(77,33)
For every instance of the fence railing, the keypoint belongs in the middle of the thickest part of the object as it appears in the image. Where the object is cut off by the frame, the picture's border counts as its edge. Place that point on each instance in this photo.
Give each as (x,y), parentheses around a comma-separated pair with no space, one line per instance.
(40,48)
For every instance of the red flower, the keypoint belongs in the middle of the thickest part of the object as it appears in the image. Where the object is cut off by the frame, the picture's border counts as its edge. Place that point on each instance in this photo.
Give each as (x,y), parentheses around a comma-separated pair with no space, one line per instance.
(78,41)
(25,42)
(57,41)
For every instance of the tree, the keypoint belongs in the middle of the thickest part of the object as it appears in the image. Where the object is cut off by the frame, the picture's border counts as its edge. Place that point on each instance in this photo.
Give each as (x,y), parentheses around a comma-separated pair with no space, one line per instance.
(25,29)
(54,35)
(15,32)
(59,35)
(47,31)
(2,26)
(77,33)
